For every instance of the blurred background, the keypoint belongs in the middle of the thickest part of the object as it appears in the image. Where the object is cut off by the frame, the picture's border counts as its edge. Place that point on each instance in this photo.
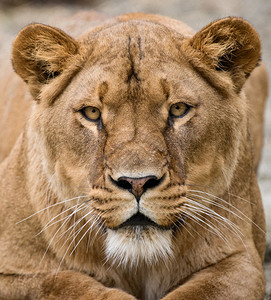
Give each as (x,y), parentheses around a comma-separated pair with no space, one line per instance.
(15,14)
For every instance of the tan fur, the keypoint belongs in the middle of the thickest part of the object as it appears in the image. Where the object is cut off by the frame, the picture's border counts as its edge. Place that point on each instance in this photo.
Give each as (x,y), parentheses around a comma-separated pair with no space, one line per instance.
(60,208)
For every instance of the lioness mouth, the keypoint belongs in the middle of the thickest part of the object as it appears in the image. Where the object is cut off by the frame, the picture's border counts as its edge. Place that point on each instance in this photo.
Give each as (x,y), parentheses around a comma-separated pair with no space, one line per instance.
(140,220)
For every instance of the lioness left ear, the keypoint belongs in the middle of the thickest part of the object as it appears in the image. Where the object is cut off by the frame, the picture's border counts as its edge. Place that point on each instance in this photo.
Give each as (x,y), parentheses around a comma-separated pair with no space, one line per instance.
(231,45)
(40,53)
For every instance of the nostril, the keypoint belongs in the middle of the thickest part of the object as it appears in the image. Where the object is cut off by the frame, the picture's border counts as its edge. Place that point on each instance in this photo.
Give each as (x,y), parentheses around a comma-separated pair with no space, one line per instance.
(152,182)
(124,184)
(137,186)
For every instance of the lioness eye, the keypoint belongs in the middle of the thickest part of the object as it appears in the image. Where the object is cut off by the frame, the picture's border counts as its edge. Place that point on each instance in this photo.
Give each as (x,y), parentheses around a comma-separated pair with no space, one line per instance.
(179,109)
(91,113)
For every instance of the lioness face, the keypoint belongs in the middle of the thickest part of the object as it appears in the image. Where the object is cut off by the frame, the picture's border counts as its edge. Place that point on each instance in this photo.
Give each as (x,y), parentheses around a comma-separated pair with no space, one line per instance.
(140,128)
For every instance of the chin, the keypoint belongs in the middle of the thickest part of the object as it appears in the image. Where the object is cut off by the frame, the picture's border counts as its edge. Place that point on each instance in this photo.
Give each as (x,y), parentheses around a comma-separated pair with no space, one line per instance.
(131,246)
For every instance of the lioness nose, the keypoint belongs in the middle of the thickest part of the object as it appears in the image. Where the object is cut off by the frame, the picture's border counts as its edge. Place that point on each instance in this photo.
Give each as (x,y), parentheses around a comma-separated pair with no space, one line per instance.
(137,186)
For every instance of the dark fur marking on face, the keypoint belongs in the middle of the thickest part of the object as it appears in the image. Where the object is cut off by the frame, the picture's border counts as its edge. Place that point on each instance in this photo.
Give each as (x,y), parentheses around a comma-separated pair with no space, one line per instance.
(103,89)
(132,73)
(141,54)
(165,87)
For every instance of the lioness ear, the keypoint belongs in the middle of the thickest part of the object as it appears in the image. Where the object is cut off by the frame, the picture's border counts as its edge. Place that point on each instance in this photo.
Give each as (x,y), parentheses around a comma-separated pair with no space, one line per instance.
(231,45)
(40,53)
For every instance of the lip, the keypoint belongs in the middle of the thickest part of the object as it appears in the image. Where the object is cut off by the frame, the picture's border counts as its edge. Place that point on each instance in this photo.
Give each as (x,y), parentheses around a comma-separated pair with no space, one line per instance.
(141,220)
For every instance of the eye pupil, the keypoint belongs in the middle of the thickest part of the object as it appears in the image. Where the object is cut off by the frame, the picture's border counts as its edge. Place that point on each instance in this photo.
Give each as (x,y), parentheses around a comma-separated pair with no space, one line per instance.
(179,110)
(91,113)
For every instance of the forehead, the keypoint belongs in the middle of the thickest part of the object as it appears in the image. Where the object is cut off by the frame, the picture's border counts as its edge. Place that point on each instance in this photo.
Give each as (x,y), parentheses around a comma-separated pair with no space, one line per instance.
(136,54)
(146,34)
(138,44)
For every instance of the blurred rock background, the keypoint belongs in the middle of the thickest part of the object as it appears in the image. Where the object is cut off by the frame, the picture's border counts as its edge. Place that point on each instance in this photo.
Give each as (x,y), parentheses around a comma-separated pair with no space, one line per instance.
(14,14)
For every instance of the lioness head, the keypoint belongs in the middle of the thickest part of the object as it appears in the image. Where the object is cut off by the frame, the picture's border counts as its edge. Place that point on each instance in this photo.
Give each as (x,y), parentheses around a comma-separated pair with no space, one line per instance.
(131,117)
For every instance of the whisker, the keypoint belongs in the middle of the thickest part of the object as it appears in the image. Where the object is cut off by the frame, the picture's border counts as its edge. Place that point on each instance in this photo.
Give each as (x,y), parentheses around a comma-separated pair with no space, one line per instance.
(223,221)
(68,217)
(49,189)
(190,226)
(72,227)
(48,223)
(72,242)
(89,229)
(100,226)
(231,226)
(231,194)
(215,213)
(222,200)
(53,205)
(212,229)
(75,233)
(180,225)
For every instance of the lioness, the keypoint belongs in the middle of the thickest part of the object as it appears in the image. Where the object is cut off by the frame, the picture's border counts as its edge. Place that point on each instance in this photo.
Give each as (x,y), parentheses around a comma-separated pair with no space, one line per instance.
(134,176)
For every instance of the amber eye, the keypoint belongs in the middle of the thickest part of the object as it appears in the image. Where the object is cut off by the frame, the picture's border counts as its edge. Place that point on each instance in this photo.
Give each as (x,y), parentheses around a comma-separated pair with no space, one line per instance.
(91,113)
(179,109)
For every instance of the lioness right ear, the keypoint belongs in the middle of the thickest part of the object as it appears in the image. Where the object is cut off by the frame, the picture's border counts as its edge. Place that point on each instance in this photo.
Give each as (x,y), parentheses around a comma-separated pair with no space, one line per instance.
(40,53)
(229,45)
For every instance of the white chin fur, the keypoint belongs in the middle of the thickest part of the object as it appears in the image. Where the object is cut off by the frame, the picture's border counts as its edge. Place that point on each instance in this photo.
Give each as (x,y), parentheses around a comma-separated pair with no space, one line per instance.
(131,246)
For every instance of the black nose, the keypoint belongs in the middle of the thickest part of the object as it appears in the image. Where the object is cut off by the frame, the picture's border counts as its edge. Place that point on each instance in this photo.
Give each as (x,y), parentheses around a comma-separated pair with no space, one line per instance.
(137,186)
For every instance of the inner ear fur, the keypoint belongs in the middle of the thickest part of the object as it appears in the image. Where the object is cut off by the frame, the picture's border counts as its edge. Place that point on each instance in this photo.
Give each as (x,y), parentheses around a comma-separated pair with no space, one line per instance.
(230,45)
(40,53)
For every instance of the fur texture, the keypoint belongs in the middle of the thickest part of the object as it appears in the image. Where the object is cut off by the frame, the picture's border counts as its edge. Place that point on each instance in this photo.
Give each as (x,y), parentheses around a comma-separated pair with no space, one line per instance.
(129,248)
(142,202)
